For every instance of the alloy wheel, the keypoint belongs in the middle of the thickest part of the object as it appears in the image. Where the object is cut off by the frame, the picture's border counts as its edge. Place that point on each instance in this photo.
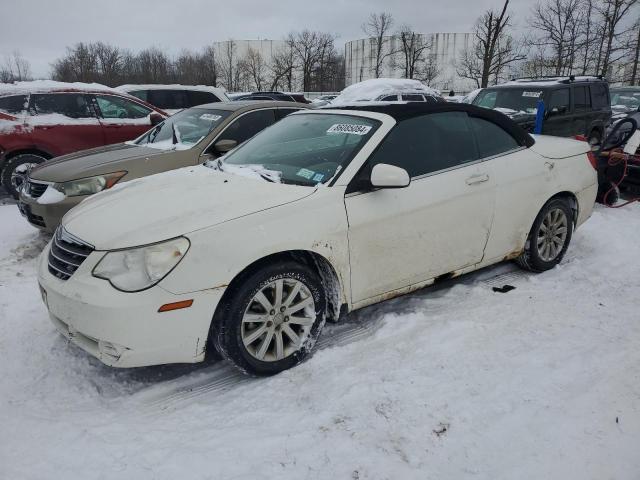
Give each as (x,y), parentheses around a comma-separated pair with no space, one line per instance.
(277,320)
(552,234)
(19,175)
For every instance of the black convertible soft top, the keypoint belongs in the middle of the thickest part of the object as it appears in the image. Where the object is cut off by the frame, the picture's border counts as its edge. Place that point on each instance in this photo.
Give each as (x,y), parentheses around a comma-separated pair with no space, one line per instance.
(402,111)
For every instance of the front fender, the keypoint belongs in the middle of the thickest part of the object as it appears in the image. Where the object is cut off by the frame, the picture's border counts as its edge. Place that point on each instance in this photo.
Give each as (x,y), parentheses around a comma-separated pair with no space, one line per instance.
(317,223)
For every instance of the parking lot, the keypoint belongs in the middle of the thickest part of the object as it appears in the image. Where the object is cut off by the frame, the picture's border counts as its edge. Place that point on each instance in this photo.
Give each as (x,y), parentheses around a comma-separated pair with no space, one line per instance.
(449,382)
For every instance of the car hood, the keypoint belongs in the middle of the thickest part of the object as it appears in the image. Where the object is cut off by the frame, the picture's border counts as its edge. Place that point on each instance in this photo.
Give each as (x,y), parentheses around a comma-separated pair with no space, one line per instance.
(72,166)
(171,204)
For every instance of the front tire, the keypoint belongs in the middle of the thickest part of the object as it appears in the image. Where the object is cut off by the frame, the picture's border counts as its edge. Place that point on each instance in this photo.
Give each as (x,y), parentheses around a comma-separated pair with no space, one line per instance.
(272,319)
(549,237)
(13,177)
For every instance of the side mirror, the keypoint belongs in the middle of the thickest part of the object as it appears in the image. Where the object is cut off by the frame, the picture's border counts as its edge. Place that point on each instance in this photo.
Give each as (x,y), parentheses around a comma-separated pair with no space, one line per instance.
(224,146)
(389,176)
(156,118)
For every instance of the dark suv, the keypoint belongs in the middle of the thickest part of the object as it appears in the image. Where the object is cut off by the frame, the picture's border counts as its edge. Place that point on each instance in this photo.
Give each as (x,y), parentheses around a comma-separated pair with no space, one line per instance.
(573,105)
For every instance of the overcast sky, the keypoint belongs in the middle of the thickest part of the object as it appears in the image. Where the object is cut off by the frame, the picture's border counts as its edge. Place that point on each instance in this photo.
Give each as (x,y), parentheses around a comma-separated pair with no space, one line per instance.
(41,29)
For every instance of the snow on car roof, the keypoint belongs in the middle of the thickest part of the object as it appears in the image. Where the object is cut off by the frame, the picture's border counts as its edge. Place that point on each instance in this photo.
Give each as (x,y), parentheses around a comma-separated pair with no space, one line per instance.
(157,86)
(545,82)
(17,88)
(369,90)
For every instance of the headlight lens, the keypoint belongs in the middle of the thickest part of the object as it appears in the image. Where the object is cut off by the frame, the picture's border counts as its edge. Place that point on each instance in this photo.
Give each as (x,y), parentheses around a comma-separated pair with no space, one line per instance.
(136,269)
(89,185)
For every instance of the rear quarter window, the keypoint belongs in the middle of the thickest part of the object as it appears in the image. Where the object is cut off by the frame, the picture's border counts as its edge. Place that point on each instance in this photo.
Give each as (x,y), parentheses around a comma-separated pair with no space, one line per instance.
(13,104)
(196,97)
(492,139)
(599,96)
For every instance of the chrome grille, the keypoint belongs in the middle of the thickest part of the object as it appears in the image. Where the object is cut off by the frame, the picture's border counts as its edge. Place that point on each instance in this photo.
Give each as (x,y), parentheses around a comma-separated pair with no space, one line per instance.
(35,189)
(66,254)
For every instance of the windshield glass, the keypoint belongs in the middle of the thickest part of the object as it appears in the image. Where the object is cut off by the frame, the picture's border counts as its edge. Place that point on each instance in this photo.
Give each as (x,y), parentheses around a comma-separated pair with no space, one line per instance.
(302,149)
(625,98)
(516,99)
(184,129)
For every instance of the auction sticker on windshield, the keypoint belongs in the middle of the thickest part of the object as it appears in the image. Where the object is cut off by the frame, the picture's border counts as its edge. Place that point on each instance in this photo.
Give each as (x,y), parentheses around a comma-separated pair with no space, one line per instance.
(531,94)
(210,116)
(350,128)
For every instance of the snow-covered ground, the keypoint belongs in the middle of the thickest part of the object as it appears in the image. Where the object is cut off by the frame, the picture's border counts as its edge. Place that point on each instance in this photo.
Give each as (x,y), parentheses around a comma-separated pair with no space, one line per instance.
(457,381)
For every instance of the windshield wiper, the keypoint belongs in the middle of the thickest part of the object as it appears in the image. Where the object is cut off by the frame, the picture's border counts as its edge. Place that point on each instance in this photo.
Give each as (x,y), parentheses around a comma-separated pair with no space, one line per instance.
(175,133)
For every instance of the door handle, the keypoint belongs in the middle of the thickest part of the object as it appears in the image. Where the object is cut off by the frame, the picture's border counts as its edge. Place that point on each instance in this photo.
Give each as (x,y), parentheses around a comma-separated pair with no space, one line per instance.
(477,179)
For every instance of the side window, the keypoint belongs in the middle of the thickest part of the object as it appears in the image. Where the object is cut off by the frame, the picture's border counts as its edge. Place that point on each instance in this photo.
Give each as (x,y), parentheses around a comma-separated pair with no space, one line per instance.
(197,97)
(412,98)
(116,107)
(283,112)
(141,94)
(492,139)
(248,125)
(559,99)
(599,96)
(168,99)
(428,143)
(389,98)
(72,105)
(581,98)
(13,104)
(488,100)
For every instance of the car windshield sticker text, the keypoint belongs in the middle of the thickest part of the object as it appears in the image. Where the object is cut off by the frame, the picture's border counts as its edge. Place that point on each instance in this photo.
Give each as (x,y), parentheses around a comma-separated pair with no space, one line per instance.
(532,94)
(349,128)
(304,173)
(318,177)
(210,116)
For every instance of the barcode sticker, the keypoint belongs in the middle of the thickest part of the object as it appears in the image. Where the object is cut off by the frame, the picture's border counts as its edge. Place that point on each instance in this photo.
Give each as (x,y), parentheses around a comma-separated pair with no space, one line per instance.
(349,128)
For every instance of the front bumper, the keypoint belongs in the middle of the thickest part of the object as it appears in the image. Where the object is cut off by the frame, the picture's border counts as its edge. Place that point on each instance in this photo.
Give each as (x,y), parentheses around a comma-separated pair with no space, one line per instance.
(45,216)
(125,329)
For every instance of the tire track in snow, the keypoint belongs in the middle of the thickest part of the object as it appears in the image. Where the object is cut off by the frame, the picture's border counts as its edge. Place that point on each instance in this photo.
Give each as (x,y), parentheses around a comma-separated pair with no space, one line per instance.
(220,376)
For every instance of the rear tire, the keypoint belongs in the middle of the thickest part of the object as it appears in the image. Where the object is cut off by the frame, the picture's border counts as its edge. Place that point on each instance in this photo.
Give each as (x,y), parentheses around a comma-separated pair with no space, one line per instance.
(12,178)
(261,328)
(549,237)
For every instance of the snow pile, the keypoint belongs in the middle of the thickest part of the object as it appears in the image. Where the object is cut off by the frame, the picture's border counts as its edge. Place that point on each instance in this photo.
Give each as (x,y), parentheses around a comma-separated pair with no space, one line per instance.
(452,382)
(51,195)
(371,90)
(50,85)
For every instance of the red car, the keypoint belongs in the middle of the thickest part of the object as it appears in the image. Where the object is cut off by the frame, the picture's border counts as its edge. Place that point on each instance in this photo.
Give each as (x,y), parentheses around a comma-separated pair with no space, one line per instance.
(43,119)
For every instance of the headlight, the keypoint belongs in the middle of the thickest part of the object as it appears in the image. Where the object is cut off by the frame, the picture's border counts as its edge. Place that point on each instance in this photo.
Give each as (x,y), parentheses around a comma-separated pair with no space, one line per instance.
(89,185)
(139,268)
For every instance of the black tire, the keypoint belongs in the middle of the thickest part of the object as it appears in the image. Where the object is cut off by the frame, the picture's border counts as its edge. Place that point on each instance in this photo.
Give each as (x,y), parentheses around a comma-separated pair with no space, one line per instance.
(530,259)
(226,335)
(14,162)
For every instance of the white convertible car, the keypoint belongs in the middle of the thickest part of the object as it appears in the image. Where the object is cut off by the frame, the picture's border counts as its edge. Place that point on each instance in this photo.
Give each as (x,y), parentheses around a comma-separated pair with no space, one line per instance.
(325,212)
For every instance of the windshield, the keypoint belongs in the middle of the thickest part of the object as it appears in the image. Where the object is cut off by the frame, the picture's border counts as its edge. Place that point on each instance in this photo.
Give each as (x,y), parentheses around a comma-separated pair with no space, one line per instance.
(184,129)
(515,99)
(302,149)
(629,99)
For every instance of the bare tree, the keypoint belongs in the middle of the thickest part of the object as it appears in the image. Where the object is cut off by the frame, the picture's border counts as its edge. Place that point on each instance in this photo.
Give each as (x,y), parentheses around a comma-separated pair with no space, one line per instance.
(430,70)
(256,68)
(228,64)
(412,52)
(15,68)
(378,26)
(109,63)
(613,11)
(636,57)
(283,64)
(493,51)
(310,50)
